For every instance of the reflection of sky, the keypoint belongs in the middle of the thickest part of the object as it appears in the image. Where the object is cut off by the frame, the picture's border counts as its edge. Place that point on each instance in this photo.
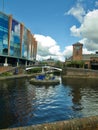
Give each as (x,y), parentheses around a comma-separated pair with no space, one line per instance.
(24,44)
(15,32)
(25,36)
(14,23)
(5,46)
(16,39)
(11,50)
(4,33)
(5,40)
(90,101)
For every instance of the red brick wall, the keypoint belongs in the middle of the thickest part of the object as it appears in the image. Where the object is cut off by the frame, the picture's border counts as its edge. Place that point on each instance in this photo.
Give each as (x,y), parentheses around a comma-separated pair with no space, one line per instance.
(3,68)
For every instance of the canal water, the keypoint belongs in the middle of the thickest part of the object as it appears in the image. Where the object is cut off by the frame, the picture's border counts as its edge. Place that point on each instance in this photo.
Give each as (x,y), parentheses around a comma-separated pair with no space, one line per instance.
(23,104)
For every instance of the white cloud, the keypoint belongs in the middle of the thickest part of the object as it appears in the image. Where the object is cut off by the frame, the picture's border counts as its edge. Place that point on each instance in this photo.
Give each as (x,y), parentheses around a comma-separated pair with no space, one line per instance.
(78,12)
(86,49)
(68,51)
(88,30)
(48,47)
(46,41)
(75,31)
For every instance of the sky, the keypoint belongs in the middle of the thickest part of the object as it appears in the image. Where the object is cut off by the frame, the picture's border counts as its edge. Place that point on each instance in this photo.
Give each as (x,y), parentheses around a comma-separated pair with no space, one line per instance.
(57,24)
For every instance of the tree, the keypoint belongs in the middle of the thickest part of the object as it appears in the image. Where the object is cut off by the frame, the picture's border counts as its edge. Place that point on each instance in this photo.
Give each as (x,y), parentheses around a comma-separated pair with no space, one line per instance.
(76,64)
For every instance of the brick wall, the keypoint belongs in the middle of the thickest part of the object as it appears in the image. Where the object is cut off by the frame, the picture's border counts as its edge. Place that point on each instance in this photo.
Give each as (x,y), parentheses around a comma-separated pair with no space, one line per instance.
(79,72)
(3,68)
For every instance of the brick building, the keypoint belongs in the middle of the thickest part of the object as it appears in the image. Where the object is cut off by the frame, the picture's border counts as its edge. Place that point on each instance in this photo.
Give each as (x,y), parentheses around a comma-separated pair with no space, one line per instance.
(89,61)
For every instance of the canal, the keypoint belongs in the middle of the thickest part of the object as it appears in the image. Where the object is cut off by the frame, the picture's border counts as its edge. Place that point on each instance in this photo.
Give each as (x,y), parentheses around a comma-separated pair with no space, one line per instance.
(23,104)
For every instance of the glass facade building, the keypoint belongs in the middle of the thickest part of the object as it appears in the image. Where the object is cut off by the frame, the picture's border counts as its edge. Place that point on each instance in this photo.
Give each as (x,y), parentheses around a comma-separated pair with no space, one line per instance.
(24,44)
(16,41)
(4,34)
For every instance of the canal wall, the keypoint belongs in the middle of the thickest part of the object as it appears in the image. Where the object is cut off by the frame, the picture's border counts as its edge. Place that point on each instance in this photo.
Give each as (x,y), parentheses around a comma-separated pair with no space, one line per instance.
(87,123)
(17,76)
(79,72)
(5,68)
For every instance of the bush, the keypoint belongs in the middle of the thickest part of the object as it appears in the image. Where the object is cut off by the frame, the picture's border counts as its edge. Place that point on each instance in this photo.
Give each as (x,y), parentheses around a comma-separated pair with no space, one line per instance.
(34,70)
(76,64)
(6,74)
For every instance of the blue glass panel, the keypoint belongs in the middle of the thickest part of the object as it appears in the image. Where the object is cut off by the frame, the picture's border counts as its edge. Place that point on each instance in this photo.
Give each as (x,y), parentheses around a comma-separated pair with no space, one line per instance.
(15,39)
(24,44)
(3,34)
(14,23)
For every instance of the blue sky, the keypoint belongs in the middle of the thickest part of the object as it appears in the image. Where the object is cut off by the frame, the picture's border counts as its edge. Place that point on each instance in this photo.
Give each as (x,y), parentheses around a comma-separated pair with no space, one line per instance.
(57,24)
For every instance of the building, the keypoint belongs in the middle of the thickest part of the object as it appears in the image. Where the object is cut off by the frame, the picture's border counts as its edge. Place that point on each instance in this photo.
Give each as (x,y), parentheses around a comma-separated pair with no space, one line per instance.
(77,51)
(17,43)
(89,61)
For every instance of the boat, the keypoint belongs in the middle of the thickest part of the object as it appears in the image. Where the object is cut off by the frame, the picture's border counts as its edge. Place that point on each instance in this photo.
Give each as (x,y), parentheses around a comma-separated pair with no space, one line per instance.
(44,80)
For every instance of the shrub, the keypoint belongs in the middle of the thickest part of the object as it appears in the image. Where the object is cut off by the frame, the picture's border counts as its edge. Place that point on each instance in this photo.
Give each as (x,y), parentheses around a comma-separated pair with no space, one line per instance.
(6,74)
(34,70)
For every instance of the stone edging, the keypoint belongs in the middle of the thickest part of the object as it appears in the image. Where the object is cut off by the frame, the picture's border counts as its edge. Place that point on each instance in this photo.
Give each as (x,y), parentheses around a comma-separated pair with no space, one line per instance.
(87,123)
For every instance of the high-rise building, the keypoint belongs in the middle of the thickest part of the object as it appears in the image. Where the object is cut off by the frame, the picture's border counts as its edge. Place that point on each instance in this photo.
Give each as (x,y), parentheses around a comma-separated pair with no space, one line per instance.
(17,43)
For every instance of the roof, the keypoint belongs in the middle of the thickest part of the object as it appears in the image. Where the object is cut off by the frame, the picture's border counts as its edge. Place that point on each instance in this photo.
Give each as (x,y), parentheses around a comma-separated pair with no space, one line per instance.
(88,56)
(85,57)
(69,59)
(78,43)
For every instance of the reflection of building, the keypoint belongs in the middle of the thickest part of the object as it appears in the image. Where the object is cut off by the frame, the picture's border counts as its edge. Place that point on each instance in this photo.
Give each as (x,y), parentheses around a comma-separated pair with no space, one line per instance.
(88,60)
(17,104)
(17,44)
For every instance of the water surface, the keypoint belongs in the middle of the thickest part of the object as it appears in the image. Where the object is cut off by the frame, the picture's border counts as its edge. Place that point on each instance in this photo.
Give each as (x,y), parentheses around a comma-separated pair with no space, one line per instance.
(23,104)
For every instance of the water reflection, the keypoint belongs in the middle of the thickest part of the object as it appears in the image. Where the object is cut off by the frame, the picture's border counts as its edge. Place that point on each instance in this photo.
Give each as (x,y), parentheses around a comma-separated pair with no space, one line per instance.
(22,103)
(79,82)
(5,107)
(15,103)
(84,95)
(76,94)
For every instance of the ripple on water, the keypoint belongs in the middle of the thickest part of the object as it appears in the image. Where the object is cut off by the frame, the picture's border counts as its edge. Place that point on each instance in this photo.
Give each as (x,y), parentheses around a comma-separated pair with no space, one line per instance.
(23,104)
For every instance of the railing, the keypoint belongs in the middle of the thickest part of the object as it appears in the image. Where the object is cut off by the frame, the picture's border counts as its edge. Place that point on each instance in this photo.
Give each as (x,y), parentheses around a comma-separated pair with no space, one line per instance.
(48,67)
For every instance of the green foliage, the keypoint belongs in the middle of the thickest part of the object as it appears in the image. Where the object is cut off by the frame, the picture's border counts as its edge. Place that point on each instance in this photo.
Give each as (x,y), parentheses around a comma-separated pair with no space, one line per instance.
(34,70)
(57,73)
(6,74)
(43,63)
(59,64)
(77,64)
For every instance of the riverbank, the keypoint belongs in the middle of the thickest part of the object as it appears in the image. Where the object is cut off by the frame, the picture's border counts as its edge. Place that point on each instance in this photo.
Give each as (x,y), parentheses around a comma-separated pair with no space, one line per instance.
(86,123)
(17,76)
(79,73)
(33,75)
(79,77)
(66,73)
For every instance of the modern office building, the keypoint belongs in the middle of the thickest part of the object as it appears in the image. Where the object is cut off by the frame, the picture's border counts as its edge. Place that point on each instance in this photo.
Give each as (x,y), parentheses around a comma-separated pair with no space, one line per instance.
(17,43)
